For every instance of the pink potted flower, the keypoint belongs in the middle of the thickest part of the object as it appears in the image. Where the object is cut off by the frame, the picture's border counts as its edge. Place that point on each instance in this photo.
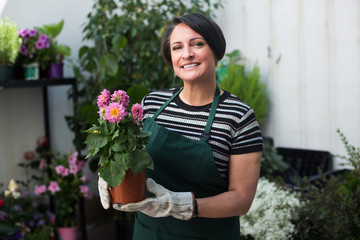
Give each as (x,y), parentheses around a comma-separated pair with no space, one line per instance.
(119,142)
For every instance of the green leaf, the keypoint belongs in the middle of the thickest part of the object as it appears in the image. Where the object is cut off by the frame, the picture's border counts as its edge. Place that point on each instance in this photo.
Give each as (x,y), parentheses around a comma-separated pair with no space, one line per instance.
(131,142)
(140,159)
(63,49)
(108,65)
(96,140)
(119,42)
(123,159)
(113,173)
(118,147)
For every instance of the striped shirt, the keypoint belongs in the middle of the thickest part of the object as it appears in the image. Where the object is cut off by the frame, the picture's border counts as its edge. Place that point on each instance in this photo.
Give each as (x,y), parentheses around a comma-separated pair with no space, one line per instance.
(234,129)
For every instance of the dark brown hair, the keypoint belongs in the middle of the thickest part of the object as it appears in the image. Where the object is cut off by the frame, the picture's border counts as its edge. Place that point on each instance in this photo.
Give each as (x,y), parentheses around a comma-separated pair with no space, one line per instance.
(208,29)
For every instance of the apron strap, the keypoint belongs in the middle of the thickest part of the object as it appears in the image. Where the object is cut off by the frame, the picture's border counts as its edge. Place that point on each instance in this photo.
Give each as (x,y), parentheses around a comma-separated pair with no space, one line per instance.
(165,104)
(205,135)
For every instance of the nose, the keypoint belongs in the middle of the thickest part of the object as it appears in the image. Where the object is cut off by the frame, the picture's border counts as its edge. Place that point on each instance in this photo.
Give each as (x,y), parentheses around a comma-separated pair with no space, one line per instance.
(187,52)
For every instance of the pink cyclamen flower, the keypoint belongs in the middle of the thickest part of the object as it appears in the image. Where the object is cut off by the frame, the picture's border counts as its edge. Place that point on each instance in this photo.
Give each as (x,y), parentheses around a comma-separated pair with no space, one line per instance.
(115,112)
(53,187)
(65,172)
(84,178)
(42,164)
(137,112)
(39,190)
(42,141)
(59,169)
(33,32)
(80,165)
(73,158)
(85,191)
(40,45)
(29,155)
(103,99)
(44,38)
(24,50)
(121,97)
(73,169)
(22,32)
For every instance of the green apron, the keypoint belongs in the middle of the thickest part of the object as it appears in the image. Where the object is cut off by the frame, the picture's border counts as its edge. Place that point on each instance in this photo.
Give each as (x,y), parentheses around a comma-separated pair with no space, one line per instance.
(184,165)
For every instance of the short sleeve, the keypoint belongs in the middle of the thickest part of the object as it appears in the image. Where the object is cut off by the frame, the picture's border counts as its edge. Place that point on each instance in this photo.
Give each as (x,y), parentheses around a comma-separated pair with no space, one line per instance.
(247,138)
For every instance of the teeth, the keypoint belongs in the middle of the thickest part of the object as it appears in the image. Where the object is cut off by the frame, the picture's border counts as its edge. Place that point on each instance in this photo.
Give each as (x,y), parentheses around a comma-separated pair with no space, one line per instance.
(190,65)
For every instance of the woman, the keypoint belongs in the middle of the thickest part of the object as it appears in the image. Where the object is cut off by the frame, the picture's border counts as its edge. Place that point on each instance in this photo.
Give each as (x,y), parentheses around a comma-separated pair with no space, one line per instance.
(206,145)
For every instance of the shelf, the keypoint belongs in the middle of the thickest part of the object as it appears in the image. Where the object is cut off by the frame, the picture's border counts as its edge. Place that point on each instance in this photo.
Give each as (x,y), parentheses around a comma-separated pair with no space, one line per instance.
(36,83)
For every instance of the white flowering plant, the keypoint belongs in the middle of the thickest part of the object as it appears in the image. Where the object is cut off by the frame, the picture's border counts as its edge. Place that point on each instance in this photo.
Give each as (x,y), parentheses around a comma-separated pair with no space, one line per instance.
(273,213)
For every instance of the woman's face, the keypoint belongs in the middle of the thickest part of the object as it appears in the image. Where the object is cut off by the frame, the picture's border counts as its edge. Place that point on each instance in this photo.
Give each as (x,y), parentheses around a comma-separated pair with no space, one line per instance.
(191,56)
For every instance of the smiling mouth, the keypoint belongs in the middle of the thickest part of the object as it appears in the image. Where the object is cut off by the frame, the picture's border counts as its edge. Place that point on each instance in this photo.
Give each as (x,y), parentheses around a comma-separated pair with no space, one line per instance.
(191,65)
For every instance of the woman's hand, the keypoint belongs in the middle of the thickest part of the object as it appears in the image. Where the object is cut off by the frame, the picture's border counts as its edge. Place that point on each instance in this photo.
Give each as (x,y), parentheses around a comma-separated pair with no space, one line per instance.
(180,205)
(105,197)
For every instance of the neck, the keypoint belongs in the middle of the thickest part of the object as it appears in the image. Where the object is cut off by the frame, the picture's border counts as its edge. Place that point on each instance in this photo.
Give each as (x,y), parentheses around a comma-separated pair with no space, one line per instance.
(198,95)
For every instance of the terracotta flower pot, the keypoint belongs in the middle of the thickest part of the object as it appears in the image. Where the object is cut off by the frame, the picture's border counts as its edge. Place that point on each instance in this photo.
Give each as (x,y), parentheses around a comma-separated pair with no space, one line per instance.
(130,190)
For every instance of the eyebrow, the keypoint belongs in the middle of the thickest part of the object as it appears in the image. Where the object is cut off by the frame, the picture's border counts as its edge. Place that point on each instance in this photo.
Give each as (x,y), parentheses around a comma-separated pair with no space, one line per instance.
(190,40)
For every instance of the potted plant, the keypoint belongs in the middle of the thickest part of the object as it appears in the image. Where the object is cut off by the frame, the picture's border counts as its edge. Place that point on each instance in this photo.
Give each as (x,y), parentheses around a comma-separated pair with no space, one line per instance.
(66,184)
(33,54)
(119,142)
(23,216)
(9,48)
(57,52)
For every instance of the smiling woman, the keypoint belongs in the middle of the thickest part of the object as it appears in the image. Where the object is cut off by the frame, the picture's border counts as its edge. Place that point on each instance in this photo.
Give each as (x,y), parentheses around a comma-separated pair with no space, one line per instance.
(206,144)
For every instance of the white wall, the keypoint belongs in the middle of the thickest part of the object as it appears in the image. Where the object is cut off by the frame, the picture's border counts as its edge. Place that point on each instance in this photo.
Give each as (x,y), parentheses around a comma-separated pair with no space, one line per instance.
(315,87)
(21,115)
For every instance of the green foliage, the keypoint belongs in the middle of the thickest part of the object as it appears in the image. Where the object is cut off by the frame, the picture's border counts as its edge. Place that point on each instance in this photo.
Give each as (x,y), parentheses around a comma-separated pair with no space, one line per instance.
(245,85)
(120,146)
(332,208)
(56,51)
(125,51)
(272,164)
(9,41)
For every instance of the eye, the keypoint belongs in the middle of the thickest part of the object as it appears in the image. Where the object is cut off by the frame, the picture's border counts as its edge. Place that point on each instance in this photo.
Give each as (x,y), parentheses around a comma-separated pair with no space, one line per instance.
(198,44)
(174,48)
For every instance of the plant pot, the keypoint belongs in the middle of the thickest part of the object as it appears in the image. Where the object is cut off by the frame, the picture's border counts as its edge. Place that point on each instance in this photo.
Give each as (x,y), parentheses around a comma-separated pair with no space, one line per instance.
(31,71)
(67,233)
(56,70)
(6,72)
(130,190)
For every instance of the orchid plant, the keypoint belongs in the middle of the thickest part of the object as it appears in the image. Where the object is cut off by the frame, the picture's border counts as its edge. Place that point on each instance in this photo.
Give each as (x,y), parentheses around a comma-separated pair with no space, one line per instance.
(118,140)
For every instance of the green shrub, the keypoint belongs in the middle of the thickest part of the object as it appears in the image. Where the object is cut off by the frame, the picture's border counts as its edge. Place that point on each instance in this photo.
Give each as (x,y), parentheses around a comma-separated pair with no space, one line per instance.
(245,85)
(332,208)
(9,41)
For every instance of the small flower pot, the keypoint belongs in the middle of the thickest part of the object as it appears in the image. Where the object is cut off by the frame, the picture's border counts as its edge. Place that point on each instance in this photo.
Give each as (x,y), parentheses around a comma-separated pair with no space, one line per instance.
(31,71)
(67,233)
(130,190)
(56,70)
(6,72)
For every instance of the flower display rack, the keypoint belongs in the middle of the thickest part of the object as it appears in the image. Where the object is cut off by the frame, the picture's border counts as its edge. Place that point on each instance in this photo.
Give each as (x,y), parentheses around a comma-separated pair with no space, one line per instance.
(44,84)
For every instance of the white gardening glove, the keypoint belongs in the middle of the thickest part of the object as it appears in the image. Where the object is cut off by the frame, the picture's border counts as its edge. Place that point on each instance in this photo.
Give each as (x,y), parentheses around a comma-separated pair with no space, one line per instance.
(180,205)
(104,193)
